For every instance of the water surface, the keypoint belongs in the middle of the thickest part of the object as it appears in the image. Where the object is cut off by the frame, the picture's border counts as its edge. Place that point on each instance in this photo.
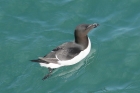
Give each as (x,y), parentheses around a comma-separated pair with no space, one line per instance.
(29,29)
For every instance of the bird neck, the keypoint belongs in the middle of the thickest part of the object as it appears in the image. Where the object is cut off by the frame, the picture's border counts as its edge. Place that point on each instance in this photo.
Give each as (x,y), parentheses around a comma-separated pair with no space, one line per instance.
(83,41)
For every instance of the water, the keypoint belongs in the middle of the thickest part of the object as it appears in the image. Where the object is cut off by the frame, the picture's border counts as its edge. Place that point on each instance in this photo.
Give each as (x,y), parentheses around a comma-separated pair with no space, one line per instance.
(29,29)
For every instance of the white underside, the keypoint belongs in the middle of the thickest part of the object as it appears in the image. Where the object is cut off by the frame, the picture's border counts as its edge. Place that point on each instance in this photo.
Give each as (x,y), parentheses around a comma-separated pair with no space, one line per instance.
(75,60)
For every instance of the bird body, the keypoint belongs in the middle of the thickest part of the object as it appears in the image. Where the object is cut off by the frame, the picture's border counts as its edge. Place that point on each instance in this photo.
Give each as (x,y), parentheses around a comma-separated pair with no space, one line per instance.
(72,61)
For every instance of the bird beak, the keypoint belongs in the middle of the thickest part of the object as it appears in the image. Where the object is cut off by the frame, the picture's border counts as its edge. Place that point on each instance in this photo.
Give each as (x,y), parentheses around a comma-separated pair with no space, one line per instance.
(93,25)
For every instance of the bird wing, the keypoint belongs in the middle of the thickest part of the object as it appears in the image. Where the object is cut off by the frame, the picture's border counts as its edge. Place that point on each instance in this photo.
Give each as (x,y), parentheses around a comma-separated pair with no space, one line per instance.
(64,52)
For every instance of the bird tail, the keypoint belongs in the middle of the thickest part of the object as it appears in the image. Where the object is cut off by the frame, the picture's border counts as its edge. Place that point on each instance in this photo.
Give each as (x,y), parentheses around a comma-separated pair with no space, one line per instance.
(38,60)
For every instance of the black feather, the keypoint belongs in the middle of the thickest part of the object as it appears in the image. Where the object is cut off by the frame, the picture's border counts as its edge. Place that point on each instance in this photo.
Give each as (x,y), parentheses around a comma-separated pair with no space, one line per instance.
(39,61)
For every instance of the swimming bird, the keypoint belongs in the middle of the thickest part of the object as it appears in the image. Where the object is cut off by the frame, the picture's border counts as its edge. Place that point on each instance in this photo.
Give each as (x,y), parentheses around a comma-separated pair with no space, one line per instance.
(68,53)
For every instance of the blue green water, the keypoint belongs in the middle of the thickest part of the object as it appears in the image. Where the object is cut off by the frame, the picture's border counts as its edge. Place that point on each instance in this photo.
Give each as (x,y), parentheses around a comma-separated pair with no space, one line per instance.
(32,28)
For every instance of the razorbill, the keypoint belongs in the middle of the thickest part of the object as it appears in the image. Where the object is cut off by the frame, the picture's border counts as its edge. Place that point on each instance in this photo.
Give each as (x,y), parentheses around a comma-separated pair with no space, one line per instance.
(68,53)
